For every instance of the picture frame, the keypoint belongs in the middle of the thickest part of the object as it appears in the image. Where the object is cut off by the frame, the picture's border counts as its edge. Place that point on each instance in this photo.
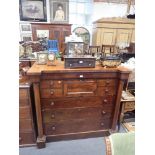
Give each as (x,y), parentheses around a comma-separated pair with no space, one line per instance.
(32,10)
(42,34)
(59,11)
(26,37)
(42,58)
(25,28)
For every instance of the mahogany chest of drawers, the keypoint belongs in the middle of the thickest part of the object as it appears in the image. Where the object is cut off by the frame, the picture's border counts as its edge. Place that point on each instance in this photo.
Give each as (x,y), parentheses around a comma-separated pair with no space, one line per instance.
(76,103)
(27,134)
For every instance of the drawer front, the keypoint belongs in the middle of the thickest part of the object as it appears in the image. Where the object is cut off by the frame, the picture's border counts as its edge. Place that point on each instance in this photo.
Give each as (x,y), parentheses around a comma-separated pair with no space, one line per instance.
(77,102)
(73,126)
(79,75)
(27,138)
(24,112)
(25,125)
(104,91)
(76,113)
(107,82)
(76,63)
(51,84)
(51,93)
(23,93)
(80,88)
(23,102)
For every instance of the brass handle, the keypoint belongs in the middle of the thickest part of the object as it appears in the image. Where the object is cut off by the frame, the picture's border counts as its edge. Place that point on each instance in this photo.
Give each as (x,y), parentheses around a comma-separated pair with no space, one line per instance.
(52,103)
(102,124)
(103,112)
(52,91)
(105,100)
(52,116)
(53,127)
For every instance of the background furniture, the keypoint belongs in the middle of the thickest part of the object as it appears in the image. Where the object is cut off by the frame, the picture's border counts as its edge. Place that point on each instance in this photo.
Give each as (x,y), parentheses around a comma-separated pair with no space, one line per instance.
(108,49)
(111,31)
(56,32)
(27,133)
(76,103)
(120,144)
(94,50)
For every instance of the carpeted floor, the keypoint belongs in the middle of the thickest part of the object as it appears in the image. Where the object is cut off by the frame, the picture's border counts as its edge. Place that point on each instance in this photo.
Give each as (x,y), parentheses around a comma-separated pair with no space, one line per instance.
(90,146)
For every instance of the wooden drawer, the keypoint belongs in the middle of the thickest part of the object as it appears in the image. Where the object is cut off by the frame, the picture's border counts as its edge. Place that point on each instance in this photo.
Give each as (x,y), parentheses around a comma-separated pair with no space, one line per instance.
(73,126)
(24,112)
(76,113)
(25,125)
(104,91)
(27,138)
(82,74)
(107,82)
(23,93)
(51,93)
(80,88)
(23,102)
(77,102)
(51,84)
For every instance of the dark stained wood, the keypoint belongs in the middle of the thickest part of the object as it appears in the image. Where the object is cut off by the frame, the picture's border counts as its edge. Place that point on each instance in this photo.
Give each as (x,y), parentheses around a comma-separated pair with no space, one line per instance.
(85,102)
(90,101)
(27,130)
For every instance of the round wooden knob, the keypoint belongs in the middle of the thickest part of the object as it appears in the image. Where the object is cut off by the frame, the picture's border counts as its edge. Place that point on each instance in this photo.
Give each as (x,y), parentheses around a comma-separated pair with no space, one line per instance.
(102,124)
(52,92)
(106,90)
(51,83)
(107,82)
(89,64)
(52,103)
(52,116)
(59,82)
(103,112)
(53,128)
(105,101)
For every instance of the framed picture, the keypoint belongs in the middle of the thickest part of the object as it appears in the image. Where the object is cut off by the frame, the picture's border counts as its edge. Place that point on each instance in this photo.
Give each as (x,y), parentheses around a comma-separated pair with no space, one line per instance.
(26,37)
(42,58)
(59,11)
(42,34)
(33,10)
(25,28)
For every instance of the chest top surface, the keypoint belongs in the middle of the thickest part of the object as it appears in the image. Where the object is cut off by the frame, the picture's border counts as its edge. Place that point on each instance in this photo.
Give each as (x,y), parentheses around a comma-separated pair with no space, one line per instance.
(59,68)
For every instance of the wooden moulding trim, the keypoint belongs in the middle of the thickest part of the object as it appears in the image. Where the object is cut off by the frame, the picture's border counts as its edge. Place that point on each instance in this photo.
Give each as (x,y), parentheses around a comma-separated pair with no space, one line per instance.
(108,146)
(36,24)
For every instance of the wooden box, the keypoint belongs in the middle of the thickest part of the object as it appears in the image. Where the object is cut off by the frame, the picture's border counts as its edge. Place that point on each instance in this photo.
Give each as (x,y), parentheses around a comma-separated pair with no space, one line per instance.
(79,62)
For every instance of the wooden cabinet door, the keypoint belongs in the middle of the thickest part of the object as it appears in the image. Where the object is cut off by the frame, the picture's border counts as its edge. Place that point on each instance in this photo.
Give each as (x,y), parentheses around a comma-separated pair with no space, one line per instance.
(124,35)
(106,36)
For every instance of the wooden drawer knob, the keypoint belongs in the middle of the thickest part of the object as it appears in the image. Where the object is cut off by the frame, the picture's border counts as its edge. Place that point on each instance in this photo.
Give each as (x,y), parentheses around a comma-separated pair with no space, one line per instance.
(20,139)
(105,100)
(59,82)
(70,65)
(52,92)
(52,103)
(103,112)
(52,116)
(89,64)
(53,128)
(106,90)
(102,124)
(107,82)
(51,83)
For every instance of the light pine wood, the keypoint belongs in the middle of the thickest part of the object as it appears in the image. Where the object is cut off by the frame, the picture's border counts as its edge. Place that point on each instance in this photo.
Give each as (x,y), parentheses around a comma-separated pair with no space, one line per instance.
(110,31)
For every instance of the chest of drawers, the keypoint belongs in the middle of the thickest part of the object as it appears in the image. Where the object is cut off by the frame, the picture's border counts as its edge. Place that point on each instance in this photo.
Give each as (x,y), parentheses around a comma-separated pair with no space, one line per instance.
(27,134)
(76,103)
